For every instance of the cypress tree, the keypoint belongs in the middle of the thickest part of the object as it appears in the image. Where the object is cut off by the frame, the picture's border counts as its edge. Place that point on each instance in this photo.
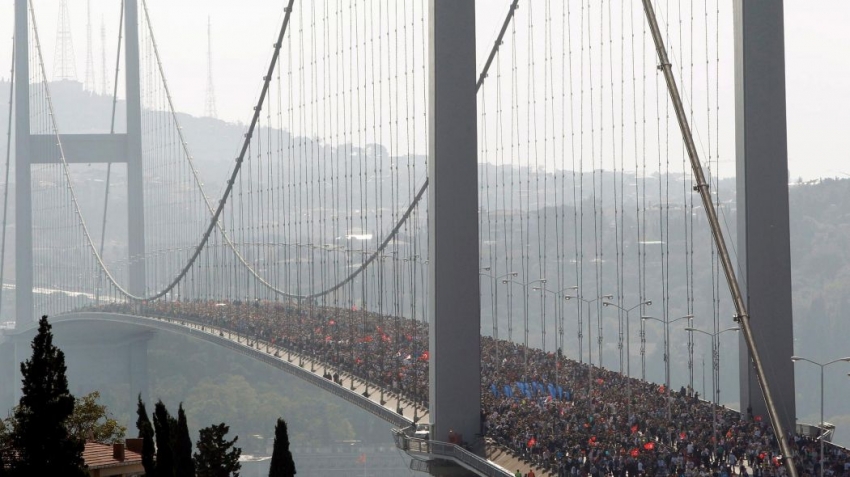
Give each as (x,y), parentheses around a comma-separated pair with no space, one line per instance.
(282,464)
(40,439)
(216,456)
(143,424)
(184,465)
(162,428)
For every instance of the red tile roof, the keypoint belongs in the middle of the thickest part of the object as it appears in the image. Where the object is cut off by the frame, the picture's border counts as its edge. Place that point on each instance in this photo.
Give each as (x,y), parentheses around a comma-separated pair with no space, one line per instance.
(98,456)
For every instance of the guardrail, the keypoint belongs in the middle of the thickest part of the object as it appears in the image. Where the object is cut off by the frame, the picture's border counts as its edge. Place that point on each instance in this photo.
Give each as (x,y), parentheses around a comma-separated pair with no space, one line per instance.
(452,452)
(227,339)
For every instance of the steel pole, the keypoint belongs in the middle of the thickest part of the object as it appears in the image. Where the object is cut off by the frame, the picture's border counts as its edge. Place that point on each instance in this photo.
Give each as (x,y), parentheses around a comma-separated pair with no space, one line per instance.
(667,363)
(589,354)
(642,350)
(703,188)
(822,427)
(715,372)
(628,368)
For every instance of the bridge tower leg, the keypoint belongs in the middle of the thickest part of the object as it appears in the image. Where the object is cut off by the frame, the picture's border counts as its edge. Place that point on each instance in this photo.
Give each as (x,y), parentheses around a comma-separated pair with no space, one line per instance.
(78,149)
(764,248)
(454,312)
(135,172)
(23,186)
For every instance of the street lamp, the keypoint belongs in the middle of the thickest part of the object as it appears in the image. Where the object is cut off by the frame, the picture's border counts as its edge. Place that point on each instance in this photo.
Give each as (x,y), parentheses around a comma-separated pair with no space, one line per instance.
(628,335)
(667,322)
(715,373)
(822,428)
(525,286)
(628,349)
(589,333)
(496,309)
(556,294)
(560,319)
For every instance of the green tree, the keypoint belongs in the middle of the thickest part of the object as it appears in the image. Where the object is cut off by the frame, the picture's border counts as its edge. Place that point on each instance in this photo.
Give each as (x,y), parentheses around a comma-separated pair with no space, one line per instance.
(92,421)
(145,428)
(216,456)
(42,443)
(164,453)
(184,465)
(6,426)
(282,464)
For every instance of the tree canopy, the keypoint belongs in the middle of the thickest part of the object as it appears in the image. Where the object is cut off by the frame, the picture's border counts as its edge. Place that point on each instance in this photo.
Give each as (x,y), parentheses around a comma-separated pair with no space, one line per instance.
(42,443)
(145,428)
(282,464)
(216,456)
(184,466)
(92,421)
(163,430)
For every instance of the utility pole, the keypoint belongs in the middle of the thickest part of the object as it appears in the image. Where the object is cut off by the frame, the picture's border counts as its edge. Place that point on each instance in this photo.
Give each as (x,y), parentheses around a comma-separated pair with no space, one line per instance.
(104,81)
(89,85)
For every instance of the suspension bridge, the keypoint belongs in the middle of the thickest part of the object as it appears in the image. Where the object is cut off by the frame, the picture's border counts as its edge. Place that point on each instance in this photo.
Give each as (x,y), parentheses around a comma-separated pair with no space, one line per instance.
(443,238)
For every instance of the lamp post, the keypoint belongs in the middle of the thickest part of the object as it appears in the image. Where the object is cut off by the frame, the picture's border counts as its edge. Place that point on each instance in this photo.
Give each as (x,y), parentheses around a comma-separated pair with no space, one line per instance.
(525,286)
(556,294)
(715,373)
(628,349)
(822,427)
(589,333)
(667,322)
(560,318)
(496,308)
(628,335)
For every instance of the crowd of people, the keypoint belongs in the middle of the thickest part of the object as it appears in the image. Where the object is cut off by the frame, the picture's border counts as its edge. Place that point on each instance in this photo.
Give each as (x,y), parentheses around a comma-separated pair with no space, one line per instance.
(563,416)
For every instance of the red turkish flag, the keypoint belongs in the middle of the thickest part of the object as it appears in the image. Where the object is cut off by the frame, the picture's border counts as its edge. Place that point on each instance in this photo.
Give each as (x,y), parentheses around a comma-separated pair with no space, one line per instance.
(634,452)
(649,446)
(531,442)
(634,428)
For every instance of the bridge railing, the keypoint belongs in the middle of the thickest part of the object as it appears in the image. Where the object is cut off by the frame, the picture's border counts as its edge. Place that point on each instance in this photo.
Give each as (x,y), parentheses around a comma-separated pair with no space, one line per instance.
(249,346)
(290,350)
(445,450)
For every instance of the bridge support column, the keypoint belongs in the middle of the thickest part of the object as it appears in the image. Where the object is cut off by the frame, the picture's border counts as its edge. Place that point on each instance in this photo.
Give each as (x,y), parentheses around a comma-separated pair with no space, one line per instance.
(454,313)
(23,186)
(135,172)
(764,248)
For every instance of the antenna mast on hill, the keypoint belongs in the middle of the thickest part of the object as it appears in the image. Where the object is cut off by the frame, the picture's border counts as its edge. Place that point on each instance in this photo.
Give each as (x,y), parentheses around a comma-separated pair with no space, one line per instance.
(104,81)
(209,108)
(64,62)
(89,86)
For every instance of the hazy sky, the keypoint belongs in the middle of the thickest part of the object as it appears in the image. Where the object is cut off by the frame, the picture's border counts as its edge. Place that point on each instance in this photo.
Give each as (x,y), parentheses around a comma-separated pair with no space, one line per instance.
(817,42)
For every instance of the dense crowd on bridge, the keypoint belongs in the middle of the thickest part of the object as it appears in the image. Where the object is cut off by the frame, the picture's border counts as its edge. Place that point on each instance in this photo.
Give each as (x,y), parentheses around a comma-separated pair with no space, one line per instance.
(562,415)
